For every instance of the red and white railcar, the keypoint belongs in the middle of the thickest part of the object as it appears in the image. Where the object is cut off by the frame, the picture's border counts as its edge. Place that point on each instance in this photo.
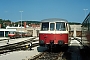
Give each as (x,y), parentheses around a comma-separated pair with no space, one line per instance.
(54,32)
(13,34)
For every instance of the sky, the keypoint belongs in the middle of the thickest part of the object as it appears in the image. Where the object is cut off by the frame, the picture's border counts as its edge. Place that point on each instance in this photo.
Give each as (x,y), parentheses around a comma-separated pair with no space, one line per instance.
(37,10)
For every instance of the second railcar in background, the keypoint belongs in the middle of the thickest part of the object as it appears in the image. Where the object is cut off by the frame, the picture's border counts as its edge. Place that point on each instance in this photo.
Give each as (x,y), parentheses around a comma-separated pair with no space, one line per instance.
(54,32)
(14,34)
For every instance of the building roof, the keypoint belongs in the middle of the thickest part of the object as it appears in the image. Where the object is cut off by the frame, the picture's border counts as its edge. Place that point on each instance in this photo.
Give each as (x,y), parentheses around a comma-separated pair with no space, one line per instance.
(77,27)
(7,29)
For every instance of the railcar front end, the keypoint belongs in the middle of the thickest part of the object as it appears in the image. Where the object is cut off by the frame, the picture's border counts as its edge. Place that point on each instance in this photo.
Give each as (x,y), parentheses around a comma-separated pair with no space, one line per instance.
(11,34)
(54,33)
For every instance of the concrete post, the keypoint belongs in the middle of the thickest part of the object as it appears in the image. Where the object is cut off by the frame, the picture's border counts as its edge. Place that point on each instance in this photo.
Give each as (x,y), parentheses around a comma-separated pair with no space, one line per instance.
(34,33)
(74,35)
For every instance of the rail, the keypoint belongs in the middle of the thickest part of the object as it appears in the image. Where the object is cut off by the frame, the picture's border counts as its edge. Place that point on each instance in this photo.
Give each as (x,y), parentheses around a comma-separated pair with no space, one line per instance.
(18,46)
(3,38)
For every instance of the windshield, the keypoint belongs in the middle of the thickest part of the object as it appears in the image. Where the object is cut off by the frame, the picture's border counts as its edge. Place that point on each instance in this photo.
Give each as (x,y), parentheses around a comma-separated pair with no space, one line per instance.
(60,26)
(45,26)
(52,26)
(11,32)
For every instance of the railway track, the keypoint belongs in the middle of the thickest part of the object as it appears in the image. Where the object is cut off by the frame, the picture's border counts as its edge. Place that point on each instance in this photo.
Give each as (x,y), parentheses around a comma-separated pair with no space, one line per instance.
(48,56)
(54,55)
(17,46)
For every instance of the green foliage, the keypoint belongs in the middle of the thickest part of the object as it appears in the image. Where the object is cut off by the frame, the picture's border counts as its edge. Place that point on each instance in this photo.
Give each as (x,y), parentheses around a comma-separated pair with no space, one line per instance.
(31,22)
(4,23)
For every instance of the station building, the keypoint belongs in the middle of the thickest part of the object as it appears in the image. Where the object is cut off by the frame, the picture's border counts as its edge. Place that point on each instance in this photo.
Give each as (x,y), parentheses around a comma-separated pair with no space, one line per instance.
(75,30)
(34,30)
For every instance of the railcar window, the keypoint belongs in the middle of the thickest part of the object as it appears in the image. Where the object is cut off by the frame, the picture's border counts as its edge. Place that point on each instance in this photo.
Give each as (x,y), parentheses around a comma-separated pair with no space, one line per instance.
(60,26)
(66,26)
(52,26)
(11,32)
(45,26)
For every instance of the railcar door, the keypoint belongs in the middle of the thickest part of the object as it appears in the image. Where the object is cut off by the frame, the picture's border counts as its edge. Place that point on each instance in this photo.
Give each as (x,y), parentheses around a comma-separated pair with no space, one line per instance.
(52,35)
(52,31)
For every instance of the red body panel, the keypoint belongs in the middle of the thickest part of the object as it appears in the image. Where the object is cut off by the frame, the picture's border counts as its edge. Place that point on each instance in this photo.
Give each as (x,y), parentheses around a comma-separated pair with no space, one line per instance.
(56,37)
(11,35)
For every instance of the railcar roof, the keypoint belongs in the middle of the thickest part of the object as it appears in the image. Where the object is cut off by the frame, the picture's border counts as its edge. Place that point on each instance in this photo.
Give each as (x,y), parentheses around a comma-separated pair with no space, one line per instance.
(54,20)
